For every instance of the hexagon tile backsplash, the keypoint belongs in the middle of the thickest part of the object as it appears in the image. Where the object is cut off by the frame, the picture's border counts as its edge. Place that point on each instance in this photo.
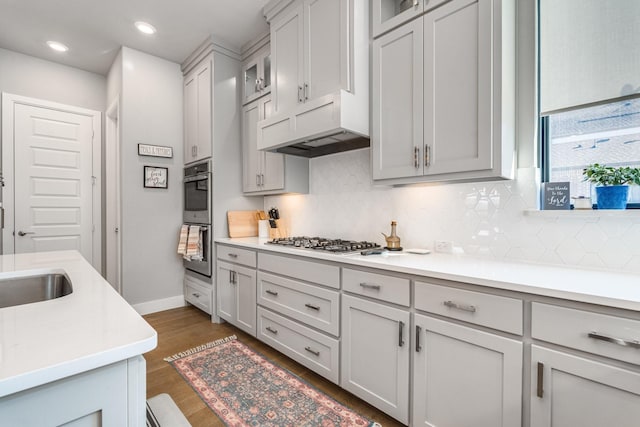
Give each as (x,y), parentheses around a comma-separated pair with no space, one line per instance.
(481,219)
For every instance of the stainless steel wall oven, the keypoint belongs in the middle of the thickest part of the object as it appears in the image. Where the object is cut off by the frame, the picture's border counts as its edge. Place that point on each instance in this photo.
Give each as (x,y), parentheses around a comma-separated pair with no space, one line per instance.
(198,211)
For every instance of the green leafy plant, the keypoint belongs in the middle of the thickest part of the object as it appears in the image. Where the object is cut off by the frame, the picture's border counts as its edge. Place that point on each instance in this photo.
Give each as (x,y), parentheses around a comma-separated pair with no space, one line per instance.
(608,175)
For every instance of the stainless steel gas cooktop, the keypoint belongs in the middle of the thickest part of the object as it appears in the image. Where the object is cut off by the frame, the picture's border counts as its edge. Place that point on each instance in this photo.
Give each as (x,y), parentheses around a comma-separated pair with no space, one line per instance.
(338,246)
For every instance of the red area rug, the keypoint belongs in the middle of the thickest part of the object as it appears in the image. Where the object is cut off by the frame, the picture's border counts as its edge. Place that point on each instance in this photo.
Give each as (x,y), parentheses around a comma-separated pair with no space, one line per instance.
(245,389)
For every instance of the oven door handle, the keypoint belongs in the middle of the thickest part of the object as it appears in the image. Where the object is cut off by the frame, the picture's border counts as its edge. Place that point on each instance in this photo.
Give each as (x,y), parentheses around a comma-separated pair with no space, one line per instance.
(201,177)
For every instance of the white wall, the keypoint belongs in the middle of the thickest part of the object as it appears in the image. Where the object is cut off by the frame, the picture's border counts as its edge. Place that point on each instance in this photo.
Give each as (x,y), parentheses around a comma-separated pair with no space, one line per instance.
(29,76)
(151,113)
(482,219)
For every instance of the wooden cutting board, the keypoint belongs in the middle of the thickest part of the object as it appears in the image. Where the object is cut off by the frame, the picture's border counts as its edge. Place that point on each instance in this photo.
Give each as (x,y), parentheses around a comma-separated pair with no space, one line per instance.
(242,223)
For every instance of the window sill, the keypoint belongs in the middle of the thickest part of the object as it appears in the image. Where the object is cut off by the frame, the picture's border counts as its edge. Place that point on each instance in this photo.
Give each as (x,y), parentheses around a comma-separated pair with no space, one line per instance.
(583,213)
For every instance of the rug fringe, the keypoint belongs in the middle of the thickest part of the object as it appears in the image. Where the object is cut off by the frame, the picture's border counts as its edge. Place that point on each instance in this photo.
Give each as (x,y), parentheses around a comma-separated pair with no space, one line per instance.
(199,348)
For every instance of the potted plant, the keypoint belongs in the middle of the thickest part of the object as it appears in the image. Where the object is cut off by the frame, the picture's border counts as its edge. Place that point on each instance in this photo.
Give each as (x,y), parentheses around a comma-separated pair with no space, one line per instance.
(612,190)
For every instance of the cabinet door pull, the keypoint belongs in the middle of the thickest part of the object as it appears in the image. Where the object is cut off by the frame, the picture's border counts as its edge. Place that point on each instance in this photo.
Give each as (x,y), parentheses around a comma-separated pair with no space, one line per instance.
(463,307)
(270,292)
(230,276)
(232,255)
(306,91)
(197,295)
(540,384)
(262,180)
(312,351)
(273,331)
(400,330)
(427,155)
(300,94)
(613,340)
(313,307)
(258,180)
(418,346)
(261,86)
(257,85)
(415,157)
(416,3)
(370,286)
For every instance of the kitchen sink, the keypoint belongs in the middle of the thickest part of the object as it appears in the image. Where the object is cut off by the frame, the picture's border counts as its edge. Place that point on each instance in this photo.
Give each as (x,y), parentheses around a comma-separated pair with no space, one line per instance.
(28,289)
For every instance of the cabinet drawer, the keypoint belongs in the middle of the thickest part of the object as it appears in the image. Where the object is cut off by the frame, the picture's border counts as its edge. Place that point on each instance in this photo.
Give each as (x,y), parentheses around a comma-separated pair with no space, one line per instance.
(197,294)
(237,255)
(609,336)
(311,271)
(306,346)
(378,286)
(492,311)
(317,307)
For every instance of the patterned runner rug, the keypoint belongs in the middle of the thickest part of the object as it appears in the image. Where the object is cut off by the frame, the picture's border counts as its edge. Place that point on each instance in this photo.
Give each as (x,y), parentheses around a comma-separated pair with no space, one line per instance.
(245,389)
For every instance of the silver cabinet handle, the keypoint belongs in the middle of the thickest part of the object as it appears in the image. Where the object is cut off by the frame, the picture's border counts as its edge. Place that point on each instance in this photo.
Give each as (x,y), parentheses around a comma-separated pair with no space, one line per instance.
(196,295)
(262,179)
(427,155)
(370,286)
(613,340)
(415,157)
(258,180)
(313,307)
(418,346)
(24,233)
(261,84)
(400,330)
(300,99)
(273,331)
(306,91)
(270,292)
(312,351)
(230,276)
(540,383)
(463,307)
(232,255)
(233,277)
(256,86)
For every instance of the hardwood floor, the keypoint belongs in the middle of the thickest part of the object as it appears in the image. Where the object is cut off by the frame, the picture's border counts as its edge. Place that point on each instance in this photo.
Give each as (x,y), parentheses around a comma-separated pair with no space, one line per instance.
(187,327)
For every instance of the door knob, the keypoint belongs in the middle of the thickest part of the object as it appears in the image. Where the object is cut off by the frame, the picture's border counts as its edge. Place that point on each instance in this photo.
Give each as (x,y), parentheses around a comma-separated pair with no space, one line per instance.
(24,233)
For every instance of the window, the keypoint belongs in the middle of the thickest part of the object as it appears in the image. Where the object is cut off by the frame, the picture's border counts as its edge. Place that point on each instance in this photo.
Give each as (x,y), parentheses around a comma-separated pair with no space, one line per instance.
(606,134)
(589,88)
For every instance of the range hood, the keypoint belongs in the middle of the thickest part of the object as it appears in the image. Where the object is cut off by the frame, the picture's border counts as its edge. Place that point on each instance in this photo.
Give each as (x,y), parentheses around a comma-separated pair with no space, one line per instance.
(330,124)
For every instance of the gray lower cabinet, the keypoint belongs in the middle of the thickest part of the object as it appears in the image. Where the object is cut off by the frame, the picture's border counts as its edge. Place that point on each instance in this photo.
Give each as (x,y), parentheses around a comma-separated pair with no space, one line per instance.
(236,286)
(375,355)
(461,367)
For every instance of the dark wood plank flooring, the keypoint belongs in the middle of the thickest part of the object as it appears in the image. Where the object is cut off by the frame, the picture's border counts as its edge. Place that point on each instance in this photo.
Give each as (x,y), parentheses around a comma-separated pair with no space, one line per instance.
(187,327)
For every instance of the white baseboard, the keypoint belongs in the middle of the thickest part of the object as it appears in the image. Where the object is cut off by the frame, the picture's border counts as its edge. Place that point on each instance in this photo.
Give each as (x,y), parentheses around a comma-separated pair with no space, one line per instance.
(160,305)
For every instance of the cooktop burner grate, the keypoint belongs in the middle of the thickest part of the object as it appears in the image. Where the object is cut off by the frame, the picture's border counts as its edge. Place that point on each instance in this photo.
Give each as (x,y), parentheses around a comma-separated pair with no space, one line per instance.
(324,244)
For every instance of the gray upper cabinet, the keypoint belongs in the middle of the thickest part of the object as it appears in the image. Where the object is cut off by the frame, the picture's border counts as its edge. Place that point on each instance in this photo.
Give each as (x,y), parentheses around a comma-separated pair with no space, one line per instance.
(256,75)
(287,56)
(197,112)
(460,60)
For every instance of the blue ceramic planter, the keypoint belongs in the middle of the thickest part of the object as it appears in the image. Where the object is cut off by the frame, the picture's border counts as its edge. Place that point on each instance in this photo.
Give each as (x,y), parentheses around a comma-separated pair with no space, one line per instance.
(612,196)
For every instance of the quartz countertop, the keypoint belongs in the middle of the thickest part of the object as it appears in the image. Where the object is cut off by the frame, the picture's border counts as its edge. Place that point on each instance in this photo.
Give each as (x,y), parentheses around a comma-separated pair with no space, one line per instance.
(620,290)
(87,329)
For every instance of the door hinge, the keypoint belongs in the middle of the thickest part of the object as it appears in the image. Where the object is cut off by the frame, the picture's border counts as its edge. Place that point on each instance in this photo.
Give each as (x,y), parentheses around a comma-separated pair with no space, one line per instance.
(93,180)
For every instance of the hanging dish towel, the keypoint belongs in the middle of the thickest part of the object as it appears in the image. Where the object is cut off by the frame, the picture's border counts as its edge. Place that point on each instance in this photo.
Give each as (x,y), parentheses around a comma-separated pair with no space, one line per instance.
(182,244)
(194,245)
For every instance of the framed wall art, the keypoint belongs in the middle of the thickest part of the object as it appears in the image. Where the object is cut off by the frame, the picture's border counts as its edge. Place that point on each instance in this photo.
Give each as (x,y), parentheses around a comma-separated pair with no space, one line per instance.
(156,177)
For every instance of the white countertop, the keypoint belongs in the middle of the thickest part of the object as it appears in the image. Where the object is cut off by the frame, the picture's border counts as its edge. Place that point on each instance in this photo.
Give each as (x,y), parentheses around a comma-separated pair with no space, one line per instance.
(89,328)
(591,286)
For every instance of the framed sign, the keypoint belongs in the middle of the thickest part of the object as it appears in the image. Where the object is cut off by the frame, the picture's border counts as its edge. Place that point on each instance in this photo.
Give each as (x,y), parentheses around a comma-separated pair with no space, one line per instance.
(555,196)
(155,177)
(154,151)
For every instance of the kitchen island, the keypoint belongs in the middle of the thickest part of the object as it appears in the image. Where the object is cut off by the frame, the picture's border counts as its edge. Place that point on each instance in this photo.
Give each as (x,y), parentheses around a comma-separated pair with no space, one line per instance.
(73,358)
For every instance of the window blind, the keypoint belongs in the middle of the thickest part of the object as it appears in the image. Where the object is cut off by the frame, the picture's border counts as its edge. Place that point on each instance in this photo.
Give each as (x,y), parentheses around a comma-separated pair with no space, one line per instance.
(589,52)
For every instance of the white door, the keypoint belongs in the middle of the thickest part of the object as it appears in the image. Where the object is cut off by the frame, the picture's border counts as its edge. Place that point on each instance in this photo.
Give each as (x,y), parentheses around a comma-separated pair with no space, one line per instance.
(397,103)
(458,367)
(568,391)
(375,355)
(457,88)
(54,196)
(287,64)
(113,243)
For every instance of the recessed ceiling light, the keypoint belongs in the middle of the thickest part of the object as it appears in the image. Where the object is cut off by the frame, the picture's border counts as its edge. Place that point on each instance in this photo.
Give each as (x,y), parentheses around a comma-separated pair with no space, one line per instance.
(57,46)
(143,27)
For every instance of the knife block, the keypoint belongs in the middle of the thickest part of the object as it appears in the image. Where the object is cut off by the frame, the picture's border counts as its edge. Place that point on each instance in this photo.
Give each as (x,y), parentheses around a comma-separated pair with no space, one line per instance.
(280,231)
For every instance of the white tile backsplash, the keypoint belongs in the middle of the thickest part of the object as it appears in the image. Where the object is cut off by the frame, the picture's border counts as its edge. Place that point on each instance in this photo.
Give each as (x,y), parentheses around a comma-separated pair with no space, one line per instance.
(481,219)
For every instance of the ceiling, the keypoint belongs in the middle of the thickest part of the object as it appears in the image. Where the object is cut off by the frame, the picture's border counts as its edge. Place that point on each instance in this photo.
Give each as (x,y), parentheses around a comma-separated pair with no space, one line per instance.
(94,30)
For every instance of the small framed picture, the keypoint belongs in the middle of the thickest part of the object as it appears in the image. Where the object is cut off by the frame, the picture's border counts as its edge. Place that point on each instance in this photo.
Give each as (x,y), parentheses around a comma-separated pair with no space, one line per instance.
(155,177)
